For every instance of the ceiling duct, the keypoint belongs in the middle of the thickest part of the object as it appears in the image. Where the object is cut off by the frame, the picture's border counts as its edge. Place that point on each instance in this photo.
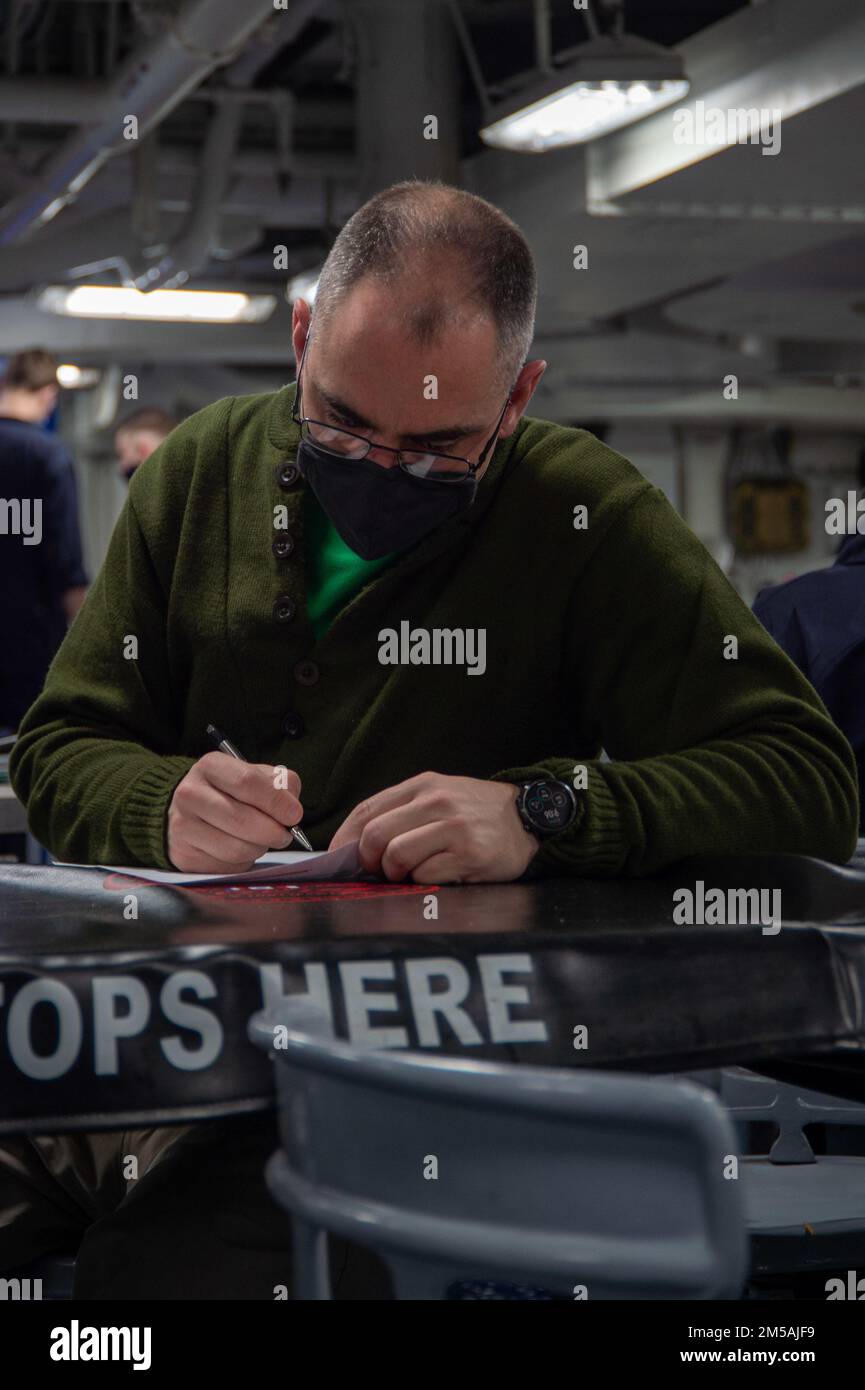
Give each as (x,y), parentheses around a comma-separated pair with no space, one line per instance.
(157,76)
(193,248)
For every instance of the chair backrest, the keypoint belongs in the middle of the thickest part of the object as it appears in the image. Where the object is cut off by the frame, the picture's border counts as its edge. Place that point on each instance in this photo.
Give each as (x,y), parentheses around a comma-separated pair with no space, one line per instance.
(591,1184)
(752,1098)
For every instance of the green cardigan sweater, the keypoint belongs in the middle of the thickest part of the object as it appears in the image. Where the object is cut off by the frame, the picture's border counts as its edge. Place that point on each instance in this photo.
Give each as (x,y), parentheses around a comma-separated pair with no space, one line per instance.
(611,635)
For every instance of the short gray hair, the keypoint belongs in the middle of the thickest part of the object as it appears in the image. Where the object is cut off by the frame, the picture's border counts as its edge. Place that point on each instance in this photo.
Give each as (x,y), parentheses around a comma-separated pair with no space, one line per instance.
(429,225)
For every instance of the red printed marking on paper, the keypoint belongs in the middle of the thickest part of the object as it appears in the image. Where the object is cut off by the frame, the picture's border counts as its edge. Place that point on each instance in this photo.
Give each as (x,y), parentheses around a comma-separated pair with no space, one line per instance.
(280,892)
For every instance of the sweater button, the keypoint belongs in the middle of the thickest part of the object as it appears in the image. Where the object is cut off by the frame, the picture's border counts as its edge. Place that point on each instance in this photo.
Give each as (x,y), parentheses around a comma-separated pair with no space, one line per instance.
(282,547)
(284,609)
(306,673)
(292,725)
(287,474)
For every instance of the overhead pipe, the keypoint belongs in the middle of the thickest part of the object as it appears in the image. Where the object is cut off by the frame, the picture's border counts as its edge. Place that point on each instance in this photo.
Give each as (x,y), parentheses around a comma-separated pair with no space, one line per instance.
(61,251)
(205,35)
(89,246)
(145,202)
(281,30)
(192,248)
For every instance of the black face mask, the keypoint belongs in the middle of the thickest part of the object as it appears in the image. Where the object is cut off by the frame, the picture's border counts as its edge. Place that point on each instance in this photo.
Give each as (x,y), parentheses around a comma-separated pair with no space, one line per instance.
(379,510)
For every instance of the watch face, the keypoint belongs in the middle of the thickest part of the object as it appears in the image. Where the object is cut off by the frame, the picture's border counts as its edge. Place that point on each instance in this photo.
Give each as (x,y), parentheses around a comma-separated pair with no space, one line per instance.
(548,805)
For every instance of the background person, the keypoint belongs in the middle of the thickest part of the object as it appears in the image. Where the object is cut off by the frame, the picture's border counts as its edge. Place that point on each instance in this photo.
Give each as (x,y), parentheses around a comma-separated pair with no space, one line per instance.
(819,620)
(138,435)
(43,583)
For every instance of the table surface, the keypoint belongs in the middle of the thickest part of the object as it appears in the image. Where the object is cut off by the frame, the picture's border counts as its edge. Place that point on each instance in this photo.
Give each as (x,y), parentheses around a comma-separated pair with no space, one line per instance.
(125,1003)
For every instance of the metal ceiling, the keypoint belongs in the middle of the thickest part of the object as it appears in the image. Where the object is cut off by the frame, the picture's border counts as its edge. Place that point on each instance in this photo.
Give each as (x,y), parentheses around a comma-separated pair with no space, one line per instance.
(268,127)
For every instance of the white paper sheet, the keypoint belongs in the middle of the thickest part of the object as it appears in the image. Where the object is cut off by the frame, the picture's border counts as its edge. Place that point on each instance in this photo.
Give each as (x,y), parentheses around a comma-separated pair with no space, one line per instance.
(284,866)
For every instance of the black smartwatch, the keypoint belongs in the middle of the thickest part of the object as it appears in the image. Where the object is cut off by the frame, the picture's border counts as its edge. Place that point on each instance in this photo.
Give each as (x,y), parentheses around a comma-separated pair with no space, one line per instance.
(545,808)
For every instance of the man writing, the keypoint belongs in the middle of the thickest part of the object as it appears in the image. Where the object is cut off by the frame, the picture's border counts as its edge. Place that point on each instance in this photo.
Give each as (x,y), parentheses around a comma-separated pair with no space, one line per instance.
(272,539)
(612,635)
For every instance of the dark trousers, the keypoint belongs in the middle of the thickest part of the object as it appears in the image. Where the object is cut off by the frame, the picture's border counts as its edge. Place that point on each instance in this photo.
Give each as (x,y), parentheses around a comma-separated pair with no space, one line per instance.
(196,1223)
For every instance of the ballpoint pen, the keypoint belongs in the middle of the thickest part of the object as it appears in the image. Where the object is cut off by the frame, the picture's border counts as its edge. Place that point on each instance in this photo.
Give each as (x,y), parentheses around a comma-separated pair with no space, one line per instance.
(224,746)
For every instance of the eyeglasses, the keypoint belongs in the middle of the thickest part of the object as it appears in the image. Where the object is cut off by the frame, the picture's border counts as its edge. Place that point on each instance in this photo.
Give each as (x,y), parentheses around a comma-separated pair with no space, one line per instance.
(429,467)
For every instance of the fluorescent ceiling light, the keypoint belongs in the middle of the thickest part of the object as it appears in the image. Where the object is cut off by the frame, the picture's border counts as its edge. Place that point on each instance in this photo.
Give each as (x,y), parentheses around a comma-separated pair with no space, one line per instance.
(608,84)
(73,378)
(166,306)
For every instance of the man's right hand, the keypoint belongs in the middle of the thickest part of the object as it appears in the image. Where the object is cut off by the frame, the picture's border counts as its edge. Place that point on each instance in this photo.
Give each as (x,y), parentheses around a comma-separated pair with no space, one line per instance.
(226,813)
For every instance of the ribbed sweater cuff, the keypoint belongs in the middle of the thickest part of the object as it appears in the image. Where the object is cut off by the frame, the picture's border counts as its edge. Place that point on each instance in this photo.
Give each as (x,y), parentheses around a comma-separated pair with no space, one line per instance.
(597,844)
(145,811)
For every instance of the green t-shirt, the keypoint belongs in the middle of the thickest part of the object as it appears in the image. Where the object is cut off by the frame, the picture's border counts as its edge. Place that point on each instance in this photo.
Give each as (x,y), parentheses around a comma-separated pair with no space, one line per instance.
(334,574)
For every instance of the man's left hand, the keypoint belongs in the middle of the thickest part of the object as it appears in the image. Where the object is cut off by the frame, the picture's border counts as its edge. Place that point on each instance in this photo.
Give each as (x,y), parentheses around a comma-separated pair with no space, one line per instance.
(437,829)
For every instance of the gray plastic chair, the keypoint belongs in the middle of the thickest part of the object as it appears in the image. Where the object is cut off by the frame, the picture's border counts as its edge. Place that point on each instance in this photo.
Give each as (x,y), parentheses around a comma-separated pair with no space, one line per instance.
(802,1208)
(804,1211)
(558,1178)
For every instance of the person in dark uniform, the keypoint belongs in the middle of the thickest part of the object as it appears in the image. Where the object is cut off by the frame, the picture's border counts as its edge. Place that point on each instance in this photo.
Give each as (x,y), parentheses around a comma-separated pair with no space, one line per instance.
(819,620)
(41,574)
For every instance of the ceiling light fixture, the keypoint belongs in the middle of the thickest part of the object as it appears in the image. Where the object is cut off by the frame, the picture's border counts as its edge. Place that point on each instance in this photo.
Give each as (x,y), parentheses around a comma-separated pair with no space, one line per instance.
(73,378)
(164,306)
(608,82)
